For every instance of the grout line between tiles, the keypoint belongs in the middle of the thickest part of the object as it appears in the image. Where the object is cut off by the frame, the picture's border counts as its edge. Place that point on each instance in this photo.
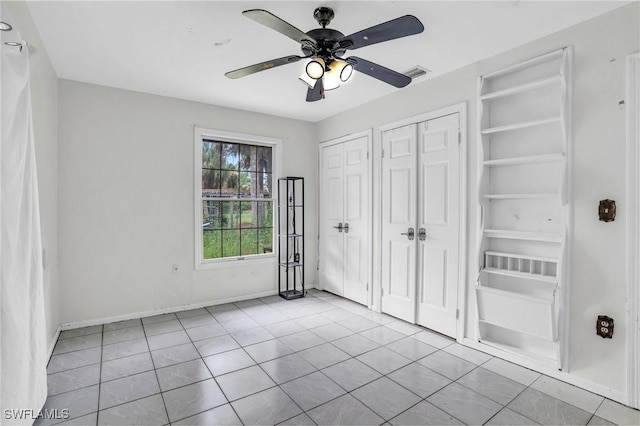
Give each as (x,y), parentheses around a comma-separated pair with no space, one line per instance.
(155,370)
(212,376)
(100,377)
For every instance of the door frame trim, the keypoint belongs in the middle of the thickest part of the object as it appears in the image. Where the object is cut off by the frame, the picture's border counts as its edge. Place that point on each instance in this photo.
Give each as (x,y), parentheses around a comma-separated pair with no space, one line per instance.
(633,229)
(461,109)
(339,140)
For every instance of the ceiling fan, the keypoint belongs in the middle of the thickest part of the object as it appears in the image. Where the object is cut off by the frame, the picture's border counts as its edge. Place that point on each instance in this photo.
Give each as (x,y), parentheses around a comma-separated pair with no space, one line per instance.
(326,47)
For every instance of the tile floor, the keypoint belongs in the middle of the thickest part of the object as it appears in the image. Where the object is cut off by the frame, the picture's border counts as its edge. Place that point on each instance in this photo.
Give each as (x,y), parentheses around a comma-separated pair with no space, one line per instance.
(317,360)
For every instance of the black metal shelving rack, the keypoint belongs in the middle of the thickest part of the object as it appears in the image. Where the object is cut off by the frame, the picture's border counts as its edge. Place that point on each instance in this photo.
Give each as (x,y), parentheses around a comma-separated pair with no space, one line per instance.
(291,237)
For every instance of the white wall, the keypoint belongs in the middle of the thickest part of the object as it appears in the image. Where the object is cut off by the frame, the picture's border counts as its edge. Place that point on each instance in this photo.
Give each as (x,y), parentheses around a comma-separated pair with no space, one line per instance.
(44,100)
(127,201)
(598,259)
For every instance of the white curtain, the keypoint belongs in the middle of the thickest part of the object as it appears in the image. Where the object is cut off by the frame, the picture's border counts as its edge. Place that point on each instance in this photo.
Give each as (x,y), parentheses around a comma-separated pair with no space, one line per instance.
(23,348)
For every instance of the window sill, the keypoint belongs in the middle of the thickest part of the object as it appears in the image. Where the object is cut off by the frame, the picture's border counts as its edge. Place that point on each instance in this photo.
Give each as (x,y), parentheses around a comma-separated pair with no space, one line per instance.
(232,262)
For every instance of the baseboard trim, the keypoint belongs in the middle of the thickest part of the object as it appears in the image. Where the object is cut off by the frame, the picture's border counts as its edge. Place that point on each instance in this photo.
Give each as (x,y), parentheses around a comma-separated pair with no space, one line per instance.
(106,320)
(572,379)
(52,344)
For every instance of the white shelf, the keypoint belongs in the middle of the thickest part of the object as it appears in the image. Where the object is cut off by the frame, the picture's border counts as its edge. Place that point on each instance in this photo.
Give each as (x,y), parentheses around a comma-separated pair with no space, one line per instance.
(531,159)
(291,264)
(525,275)
(521,256)
(522,125)
(506,309)
(540,359)
(520,196)
(520,266)
(538,84)
(550,237)
(557,54)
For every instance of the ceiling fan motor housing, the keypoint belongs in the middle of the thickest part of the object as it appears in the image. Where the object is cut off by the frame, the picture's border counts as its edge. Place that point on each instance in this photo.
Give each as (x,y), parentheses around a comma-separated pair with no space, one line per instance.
(327,46)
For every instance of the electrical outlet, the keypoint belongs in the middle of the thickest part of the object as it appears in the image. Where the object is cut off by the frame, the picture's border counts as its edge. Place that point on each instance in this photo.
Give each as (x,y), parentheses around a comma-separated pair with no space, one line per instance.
(296,257)
(174,269)
(604,327)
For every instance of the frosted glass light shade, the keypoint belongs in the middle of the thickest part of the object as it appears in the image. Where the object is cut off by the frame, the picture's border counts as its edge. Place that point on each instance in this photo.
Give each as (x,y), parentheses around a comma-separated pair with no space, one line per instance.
(315,68)
(343,69)
(331,80)
(346,72)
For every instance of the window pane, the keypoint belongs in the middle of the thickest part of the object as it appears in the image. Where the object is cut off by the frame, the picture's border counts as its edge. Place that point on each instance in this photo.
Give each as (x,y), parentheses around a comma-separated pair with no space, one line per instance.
(230,156)
(264,185)
(248,157)
(249,214)
(211,246)
(210,183)
(265,240)
(264,214)
(264,159)
(210,155)
(230,243)
(211,215)
(247,187)
(249,241)
(247,217)
(230,214)
(229,181)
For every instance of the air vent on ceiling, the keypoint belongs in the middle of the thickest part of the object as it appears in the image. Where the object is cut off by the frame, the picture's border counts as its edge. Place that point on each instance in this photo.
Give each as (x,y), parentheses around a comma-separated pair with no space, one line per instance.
(416,71)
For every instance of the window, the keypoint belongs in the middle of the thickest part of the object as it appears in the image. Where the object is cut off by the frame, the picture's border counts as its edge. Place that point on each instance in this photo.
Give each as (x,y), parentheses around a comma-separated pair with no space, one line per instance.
(234,185)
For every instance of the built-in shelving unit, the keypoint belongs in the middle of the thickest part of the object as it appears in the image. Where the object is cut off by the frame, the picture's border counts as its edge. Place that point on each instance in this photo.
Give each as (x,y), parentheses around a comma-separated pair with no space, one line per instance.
(291,237)
(523,114)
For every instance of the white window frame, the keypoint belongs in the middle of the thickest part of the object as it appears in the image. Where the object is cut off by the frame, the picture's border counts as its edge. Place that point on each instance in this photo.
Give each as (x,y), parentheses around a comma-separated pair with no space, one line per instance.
(200,134)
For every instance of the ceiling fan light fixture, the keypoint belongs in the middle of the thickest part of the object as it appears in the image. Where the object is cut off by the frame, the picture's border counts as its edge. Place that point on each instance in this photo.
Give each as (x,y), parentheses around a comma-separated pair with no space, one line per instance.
(315,68)
(331,79)
(343,69)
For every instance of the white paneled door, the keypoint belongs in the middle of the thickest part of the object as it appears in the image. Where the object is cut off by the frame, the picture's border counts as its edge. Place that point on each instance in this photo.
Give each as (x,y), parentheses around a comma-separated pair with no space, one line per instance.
(438,223)
(344,219)
(399,193)
(420,223)
(331,222)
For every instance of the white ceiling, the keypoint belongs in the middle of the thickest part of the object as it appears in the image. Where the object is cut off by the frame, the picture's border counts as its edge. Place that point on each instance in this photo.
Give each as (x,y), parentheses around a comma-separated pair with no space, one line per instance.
(182,49)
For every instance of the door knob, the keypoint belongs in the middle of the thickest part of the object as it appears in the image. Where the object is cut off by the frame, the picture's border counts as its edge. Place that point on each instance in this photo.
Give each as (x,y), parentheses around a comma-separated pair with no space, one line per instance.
(339,227)
(346,228)
(410,234)
(422,234)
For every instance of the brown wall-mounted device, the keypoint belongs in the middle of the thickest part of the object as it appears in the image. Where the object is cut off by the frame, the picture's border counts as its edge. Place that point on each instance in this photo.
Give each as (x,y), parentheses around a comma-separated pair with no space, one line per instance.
(604,327)
(607,210)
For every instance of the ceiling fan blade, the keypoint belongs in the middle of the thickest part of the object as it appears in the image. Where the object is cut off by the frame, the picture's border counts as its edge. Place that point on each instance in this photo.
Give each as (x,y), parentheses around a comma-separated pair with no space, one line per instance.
(251,69)
(316,93)
(400,27)
(378,71)
(272,21)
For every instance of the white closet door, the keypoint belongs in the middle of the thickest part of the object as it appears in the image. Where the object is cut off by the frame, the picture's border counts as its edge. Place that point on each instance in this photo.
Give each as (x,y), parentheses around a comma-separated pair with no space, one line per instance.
(356,219)
(399,195)
(438,217)
(331,208)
